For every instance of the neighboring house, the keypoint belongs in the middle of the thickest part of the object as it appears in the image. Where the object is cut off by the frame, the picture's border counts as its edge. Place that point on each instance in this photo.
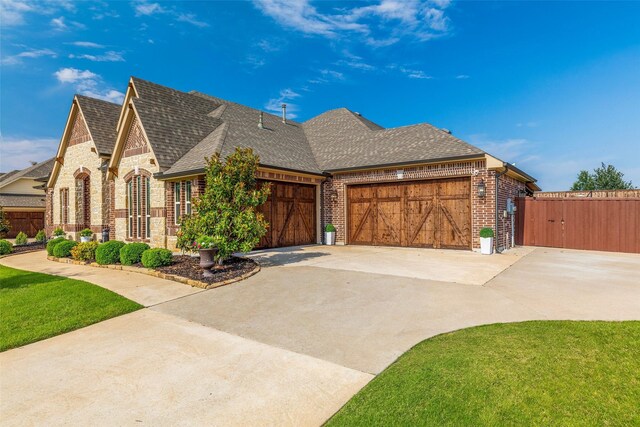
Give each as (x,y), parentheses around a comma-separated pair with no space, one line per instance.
(22,197)
(415,186)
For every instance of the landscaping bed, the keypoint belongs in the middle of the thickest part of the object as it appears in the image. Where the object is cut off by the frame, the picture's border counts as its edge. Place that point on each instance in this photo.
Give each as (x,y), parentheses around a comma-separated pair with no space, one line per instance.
(188,266)
(29,247)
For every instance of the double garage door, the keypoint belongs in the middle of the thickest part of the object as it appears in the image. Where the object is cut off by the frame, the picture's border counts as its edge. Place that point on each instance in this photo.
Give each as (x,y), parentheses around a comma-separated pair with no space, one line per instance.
(291,213)
(431,214)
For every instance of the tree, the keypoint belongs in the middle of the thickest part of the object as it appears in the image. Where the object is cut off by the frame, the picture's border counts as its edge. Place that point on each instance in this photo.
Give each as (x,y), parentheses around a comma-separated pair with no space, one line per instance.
(226,210)
(606,177)
(5,226)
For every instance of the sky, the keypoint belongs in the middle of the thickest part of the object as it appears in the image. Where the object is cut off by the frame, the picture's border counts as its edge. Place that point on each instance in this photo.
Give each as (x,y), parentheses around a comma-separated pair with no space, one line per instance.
(553,87)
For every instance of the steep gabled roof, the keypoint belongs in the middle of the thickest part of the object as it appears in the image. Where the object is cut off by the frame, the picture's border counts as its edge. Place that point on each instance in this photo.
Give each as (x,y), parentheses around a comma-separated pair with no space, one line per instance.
(101,118)
(39,170)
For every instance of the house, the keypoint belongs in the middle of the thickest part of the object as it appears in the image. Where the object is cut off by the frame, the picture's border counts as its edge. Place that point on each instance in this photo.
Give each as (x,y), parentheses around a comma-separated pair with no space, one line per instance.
(22,197)
(136,168)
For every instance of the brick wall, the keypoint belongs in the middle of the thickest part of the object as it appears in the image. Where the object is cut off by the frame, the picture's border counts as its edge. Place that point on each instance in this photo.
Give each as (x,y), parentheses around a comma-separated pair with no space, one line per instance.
(483,209)
(508,188)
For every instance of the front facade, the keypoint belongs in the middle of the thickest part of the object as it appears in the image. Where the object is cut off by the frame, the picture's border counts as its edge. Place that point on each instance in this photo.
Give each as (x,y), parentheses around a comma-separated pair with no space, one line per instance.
(22,198)
(415,186)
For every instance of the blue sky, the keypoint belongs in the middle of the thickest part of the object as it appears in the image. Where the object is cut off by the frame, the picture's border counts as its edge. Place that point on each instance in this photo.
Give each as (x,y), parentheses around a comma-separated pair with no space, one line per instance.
(551,86)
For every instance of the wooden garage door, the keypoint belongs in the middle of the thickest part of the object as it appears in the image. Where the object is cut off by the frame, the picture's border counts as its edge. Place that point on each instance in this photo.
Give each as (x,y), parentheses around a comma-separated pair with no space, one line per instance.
(27,222)
(431,214)
(291,213)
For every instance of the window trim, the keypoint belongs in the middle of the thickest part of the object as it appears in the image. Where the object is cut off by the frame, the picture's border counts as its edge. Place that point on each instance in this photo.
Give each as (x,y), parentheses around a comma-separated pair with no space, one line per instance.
(187,198)
(176,202)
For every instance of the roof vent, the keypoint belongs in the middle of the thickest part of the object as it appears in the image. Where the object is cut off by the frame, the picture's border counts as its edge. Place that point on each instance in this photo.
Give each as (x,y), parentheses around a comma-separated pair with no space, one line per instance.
(356,113)
(284,113)
(446,131)
(261,120)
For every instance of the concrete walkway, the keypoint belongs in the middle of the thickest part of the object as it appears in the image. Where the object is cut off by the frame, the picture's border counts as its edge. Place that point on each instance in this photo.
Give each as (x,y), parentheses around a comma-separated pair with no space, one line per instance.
(143,289)
(290,345)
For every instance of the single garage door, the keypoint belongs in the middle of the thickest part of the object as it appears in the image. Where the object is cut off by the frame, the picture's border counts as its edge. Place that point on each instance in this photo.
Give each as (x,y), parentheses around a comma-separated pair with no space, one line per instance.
(27,222)
(429,214)
(291,213)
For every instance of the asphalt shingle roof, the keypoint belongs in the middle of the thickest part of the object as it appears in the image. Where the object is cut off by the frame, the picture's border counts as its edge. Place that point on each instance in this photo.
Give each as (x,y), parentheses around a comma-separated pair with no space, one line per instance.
(39,170)
(102,119)
(184,128)
(22,201)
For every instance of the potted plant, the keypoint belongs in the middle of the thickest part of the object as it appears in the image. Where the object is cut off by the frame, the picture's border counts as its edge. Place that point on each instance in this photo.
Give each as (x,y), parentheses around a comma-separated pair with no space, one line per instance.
(207,249)
(86,235)
(58,232)
(329,234)
(486,241)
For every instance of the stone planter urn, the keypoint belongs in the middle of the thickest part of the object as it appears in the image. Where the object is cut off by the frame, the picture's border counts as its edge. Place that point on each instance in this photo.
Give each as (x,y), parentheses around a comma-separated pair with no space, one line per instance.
(207,260)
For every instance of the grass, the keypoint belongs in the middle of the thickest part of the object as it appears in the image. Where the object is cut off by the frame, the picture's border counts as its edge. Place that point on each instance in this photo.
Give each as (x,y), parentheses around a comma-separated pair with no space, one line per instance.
(531,373)
(36,306)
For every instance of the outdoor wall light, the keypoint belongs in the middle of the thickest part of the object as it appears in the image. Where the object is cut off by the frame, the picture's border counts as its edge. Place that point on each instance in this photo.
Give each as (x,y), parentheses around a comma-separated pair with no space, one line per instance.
(482,189)
(334,195)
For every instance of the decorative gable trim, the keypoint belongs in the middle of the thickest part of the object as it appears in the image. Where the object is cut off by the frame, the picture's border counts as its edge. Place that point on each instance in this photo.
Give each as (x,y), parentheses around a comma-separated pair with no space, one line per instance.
(136,142)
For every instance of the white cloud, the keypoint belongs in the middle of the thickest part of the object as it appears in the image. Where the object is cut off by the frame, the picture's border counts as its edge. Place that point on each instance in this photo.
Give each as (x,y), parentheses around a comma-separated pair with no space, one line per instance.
(148,9)
(462,77)
(335,75)
(410,72)
(88,83)
(389,20)
(354,61)
(17,153)
(285,96)
(32,53)
(109,56)
(61,24)
(12,12)
(527,124)
(88,44)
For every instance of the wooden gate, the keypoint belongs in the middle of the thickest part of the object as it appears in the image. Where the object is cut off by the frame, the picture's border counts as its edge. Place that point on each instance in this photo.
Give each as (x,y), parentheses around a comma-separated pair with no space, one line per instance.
(604,224)
(433,214)
(27,222)
(291,213)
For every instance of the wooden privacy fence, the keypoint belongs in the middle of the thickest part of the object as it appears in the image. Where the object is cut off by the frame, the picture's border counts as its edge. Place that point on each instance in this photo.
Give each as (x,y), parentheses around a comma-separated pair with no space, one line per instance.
(600,224)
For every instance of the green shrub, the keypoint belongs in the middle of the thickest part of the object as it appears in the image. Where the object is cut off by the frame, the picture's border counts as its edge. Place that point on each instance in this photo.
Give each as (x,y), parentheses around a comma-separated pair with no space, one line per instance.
(109,252)
(153,258)
(51,244)
(5,247)
(329,228)
(132,253)
(21,239)
(41,236)
(58,232)
(63,249)
(86,233)
(85,251)
(486,232)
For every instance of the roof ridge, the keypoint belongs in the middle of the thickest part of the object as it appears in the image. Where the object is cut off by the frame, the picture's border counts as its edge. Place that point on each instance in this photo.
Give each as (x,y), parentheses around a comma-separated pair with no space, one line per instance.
(79,95)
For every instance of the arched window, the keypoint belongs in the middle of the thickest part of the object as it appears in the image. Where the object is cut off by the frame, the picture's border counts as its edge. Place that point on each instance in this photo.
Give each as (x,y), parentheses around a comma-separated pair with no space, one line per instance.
(138,199)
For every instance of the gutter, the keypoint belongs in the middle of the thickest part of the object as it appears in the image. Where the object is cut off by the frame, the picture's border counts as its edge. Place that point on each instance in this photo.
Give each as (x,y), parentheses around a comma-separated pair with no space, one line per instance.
(498,175)
(202,170)
(408,163)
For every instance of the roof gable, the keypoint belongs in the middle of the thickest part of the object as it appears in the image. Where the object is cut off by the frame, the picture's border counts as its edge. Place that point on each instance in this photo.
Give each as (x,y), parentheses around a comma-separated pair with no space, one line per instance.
(101,118)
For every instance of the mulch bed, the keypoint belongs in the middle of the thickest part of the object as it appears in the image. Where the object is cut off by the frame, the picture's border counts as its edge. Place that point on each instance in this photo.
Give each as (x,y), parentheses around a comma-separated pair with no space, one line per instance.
(27,248)
(188,266)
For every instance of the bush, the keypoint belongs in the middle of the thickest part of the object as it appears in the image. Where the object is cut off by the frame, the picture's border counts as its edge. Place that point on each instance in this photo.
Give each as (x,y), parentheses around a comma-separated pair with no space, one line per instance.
(58,232)
(85,251)
(21,239)
(329,228)
(109,252)
(132,253)
(5,247)
(41,236)
(63,249)
(51,244)
(153,258)
(486,232)
(86,233)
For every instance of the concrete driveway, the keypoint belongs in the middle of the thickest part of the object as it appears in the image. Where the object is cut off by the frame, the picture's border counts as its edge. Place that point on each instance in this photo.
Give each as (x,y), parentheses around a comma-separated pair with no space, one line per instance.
(290,345)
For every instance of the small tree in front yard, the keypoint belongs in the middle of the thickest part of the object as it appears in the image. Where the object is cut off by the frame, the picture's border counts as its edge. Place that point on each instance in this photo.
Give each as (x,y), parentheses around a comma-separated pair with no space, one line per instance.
(227,210)
(5,226)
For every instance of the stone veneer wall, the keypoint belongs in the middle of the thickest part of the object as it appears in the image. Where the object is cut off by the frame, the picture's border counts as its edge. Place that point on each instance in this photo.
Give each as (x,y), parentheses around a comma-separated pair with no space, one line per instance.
(147,165)
(81,152)
(483,209)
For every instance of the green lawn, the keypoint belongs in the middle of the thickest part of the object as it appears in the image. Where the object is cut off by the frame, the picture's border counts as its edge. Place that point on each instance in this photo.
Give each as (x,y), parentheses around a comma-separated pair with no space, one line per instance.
(36,306)
(531,373)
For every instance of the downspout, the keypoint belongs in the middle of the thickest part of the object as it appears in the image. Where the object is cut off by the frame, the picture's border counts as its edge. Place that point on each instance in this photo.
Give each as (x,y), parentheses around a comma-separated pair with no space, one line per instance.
(498,175)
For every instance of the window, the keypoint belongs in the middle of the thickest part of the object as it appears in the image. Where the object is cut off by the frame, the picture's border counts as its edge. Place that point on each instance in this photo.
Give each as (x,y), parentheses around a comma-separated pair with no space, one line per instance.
(187,198)
(64,205)
(176,200)
(139,207)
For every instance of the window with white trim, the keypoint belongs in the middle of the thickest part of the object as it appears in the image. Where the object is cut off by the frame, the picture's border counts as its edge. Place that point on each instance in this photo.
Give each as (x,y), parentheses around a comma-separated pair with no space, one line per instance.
(187,198)
(176,201)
